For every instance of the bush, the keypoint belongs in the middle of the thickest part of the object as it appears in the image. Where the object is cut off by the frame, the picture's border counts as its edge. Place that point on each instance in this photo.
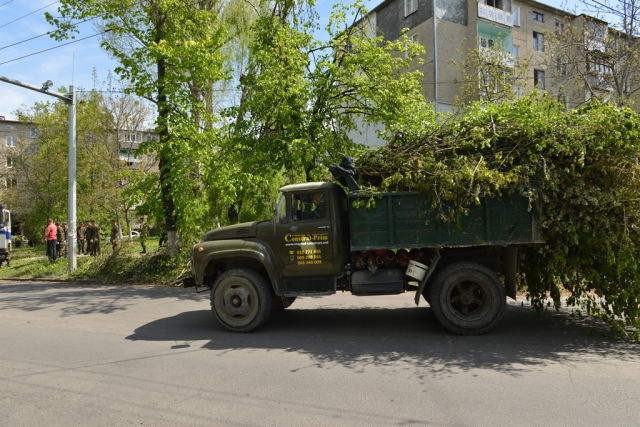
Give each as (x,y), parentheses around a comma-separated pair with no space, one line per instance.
(581,165)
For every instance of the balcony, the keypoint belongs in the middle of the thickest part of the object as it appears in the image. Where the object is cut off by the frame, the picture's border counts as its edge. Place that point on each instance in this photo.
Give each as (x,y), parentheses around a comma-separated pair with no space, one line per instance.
(491,13)
(498,57)
(600,80)
(129,158)
(592,44)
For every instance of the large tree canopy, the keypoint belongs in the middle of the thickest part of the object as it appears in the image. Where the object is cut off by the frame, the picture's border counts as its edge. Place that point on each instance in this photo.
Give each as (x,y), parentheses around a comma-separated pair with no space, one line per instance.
(175,56)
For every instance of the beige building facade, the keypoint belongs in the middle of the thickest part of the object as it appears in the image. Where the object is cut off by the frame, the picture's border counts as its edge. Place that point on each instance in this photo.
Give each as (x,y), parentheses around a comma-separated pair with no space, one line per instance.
(519,27)
(16,136)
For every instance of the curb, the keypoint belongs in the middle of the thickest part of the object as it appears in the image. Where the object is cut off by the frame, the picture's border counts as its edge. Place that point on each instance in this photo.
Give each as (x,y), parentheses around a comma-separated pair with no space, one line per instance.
(41,279)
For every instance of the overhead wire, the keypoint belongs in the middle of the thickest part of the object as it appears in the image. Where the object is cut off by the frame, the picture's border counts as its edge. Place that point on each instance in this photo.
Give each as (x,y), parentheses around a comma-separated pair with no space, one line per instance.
(30,13)
(6,3)
(47,33)
(55,47)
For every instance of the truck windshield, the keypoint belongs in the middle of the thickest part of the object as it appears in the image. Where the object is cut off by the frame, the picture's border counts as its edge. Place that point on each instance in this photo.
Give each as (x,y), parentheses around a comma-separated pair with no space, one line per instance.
(281,208)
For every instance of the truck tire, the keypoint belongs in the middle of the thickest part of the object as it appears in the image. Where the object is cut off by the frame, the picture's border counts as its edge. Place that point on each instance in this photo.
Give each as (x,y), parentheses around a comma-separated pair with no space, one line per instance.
(241,300)
(468,298)
(280,303)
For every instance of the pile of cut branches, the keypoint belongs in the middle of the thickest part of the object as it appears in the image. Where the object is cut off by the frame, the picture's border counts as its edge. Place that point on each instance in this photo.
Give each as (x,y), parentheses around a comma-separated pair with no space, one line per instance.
(582,165)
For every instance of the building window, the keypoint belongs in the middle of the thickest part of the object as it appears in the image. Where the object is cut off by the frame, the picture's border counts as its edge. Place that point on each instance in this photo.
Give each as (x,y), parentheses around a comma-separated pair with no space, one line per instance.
(413,39)
(562,100)
(559,28)
(596,30)
(151,159)
(9,162)
(538,41)
(410,6)
(485,42)
(10,127)
(150,138)
(498,4)
(561,67)
(538,79)
(537,16)
(131,137)
(11,183)
(12,141)
(516,51)
(33,132)
(516,16)
(598,67)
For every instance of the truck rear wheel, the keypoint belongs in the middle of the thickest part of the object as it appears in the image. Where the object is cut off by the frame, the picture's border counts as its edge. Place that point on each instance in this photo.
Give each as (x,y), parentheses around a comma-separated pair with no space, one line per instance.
(241,300)
(468,298)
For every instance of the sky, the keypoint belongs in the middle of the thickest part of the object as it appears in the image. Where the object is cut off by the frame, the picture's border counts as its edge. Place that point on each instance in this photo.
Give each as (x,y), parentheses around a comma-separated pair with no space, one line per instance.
(74,64)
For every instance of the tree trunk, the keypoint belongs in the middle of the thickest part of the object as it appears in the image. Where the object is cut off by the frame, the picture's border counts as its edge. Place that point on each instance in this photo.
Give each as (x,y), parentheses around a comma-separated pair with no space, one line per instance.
(128,222)
(233,214)
(174,242)
(163,164)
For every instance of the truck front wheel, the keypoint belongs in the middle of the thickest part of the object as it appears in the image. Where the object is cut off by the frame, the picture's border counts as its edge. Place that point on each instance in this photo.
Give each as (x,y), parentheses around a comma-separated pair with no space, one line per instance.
(468,298)
(241,300)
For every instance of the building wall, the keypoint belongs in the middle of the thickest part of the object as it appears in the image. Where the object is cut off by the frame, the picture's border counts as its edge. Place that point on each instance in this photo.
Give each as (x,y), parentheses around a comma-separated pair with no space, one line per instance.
(24,133)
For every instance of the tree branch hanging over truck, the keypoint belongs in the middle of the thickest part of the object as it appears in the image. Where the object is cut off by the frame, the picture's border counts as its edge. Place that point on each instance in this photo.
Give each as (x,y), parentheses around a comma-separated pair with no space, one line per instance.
(322,240)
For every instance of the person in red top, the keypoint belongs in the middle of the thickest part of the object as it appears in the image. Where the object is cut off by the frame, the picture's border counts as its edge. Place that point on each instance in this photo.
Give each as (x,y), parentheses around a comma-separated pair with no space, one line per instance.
(50,237)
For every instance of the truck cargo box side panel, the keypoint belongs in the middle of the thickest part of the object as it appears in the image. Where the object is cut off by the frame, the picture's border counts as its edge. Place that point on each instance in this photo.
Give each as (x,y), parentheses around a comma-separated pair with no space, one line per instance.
(406,219)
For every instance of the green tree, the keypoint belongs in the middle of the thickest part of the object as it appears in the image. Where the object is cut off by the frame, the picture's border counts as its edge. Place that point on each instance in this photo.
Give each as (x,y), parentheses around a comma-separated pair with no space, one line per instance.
(177,53)
(587,59)
(489,72)
(41,163)
(301,96)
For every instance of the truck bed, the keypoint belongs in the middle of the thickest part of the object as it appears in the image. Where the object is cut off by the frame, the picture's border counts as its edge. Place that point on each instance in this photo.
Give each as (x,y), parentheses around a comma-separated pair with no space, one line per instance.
(406,220)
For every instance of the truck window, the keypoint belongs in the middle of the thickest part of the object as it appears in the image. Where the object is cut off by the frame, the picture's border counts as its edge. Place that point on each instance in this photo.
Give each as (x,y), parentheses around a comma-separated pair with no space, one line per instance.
(281,208)
(310,206)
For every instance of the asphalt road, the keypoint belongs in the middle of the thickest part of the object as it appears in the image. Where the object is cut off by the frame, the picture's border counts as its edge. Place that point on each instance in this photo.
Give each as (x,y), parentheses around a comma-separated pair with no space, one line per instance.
(98,355)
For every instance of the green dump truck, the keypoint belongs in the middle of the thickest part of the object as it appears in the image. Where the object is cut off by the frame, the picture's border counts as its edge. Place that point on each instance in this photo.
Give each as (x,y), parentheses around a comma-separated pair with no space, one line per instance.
(322,240)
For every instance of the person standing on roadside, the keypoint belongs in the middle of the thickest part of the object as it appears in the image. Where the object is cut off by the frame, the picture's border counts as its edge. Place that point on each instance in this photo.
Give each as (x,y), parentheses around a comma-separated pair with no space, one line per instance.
(144,232)
(63,242)
(98,236)
(88,233)
(163,233)
(50,235)
(115,234)
(81,237)
(58,238)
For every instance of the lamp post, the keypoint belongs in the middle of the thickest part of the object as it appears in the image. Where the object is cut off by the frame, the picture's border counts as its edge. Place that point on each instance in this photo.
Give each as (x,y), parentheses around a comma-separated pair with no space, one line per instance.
(70,100)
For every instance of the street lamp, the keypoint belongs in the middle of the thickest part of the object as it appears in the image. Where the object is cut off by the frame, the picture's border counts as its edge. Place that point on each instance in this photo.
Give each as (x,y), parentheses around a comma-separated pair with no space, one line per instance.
(70,100)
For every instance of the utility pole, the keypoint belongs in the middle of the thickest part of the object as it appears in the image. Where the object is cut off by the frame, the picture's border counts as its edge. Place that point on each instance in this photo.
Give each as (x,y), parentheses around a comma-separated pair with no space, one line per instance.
(70,100)
(435,54)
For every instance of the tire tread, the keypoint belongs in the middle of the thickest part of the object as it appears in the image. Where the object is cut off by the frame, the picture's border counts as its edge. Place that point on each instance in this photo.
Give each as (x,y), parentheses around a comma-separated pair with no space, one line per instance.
(437,310)
(264,294)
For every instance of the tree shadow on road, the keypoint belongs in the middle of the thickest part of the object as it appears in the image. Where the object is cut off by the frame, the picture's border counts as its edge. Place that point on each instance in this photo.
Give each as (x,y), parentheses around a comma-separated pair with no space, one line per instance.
(406,340)
(82,299)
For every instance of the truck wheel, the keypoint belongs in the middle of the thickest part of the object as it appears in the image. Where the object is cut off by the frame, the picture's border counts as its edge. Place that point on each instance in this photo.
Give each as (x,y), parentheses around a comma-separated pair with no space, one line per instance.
(468,298)
(241,300)
(280,303)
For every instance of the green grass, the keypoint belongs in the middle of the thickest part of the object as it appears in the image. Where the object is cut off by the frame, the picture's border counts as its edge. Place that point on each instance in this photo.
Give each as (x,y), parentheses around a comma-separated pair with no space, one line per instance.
(126,266)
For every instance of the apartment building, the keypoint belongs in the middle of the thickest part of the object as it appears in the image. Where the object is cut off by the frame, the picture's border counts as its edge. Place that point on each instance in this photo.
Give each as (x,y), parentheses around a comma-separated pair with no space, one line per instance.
(15,133)
(10,133)
(519,27)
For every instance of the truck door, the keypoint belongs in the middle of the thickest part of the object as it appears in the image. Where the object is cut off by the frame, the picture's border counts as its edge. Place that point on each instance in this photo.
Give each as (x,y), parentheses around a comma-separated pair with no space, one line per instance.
(306,243)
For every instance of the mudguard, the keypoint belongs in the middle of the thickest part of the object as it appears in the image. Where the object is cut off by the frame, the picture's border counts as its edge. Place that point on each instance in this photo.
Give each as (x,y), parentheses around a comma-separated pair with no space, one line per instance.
(235,248)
